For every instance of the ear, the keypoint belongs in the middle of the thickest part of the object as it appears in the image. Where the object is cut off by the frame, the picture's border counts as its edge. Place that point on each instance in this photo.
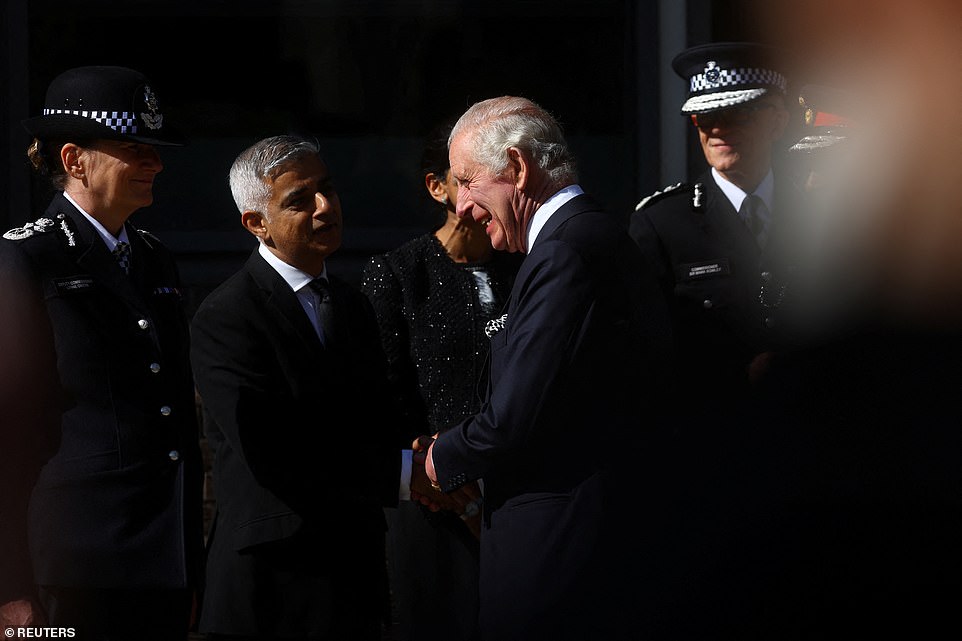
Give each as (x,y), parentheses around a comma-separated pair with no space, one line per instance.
(435,187)
(254,223)
(518,167)
(70,156)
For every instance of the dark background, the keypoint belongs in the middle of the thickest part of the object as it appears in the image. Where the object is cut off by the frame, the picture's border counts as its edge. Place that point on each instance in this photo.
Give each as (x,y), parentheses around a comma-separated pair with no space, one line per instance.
(369,79)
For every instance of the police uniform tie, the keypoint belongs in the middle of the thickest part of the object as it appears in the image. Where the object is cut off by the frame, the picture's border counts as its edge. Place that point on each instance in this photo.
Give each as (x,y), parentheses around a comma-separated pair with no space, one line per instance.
(752,212)
(325,309)
(122,254)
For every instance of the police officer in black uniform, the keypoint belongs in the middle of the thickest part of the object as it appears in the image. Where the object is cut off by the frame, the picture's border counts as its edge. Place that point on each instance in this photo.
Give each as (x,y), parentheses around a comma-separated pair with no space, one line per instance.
(107,450)
(713,239)
(717,245)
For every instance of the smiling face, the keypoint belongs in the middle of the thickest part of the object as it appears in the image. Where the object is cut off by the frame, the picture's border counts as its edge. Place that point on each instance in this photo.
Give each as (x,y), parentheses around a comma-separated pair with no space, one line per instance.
(738,141)
(111,179)
(488,199)
(303,222)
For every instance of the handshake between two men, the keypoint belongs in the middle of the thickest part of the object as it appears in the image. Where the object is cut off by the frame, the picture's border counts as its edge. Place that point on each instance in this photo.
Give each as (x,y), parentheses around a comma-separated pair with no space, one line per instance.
(464,501)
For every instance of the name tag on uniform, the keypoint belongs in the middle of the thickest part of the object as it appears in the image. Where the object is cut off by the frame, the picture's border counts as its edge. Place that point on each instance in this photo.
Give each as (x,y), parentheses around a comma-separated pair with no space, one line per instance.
(694,271)
(167,291)
(73,284)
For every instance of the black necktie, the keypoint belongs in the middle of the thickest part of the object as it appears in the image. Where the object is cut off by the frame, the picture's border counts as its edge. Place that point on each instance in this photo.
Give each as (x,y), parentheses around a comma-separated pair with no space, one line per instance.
(752,213)
(122,254)
(325,309)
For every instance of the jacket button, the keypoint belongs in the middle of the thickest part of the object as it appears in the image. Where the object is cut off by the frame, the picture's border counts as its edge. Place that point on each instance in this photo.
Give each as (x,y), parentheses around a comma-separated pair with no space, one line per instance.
(173,455)
(707,304)
(165,410)
(154,368)
(143,324)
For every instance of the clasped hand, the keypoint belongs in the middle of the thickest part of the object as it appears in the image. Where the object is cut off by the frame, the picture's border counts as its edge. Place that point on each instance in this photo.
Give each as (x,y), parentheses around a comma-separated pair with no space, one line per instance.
(465,498)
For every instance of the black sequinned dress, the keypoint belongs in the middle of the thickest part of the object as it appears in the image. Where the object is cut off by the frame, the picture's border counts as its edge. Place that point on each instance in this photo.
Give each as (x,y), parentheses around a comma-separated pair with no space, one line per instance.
(432,313)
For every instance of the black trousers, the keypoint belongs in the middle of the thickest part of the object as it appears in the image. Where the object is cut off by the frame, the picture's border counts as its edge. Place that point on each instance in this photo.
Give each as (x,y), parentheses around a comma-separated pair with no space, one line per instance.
(119,615)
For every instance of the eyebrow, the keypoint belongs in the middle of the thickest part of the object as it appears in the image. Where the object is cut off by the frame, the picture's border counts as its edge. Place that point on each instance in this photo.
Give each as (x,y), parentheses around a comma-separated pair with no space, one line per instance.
(295,195)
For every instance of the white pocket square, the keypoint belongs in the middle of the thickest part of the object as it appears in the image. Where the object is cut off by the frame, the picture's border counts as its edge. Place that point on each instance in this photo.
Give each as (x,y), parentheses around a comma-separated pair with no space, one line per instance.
(495,325)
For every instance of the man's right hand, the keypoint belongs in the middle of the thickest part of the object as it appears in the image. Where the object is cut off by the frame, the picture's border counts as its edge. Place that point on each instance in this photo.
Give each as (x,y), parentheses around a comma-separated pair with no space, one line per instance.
(423,490)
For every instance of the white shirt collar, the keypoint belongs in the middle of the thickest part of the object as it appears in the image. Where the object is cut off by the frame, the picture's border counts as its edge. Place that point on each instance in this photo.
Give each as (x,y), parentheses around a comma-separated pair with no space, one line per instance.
(549,207)
(293,276)
(105,235)
(735,195)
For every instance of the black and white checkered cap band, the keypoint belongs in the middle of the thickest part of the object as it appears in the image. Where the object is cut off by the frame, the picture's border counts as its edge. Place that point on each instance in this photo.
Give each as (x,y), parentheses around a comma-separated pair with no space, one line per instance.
(121,121)
(741,77)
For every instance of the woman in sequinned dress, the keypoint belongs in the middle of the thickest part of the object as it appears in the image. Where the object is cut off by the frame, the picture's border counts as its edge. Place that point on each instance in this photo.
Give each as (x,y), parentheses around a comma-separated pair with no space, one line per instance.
(433,296)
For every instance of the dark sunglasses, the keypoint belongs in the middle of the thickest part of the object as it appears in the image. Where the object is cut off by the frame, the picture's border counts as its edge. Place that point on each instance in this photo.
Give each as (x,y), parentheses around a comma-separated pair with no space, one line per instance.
(740,115)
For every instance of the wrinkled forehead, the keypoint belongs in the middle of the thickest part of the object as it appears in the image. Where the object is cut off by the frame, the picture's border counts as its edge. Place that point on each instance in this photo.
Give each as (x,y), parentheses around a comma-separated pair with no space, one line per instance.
(462,158)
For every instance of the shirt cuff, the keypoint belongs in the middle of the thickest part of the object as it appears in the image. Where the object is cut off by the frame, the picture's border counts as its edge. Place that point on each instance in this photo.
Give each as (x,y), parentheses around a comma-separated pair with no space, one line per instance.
(404,489)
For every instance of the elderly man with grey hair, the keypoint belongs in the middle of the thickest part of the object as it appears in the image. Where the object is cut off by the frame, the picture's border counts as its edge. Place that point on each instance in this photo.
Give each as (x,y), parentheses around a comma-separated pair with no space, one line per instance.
(585,330)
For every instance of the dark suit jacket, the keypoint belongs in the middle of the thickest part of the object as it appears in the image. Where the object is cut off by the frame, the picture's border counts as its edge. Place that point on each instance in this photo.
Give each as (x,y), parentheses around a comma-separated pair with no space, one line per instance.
(570,378)
(117,505)
(299,515)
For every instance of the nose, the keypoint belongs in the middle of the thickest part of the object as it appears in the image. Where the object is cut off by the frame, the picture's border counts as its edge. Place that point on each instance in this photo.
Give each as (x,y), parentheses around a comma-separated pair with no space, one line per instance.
(463,207)
(321,202)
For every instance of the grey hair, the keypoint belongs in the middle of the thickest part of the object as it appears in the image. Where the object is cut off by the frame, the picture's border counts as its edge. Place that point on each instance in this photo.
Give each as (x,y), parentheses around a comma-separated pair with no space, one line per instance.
(257,166)
(511,121)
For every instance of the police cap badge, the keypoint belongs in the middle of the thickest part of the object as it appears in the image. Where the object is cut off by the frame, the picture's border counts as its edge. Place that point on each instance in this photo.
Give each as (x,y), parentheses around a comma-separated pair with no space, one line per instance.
(102,102)
(725,74)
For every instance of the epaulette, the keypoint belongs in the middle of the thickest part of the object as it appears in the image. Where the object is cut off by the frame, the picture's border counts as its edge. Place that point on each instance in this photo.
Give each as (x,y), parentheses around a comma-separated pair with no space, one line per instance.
(46,225)
(39,226)
(658,195)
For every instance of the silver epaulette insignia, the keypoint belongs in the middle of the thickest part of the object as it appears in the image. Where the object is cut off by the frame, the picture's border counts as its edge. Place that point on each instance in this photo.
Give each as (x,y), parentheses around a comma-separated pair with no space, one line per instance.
(645,200)
(38,226)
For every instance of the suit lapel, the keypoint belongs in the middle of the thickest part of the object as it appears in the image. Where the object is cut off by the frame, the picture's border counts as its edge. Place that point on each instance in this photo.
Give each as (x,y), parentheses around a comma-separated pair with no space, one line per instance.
(282,302)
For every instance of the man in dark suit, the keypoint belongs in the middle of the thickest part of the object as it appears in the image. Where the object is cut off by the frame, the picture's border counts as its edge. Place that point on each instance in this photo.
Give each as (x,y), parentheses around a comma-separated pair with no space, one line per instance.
(286,355)
(584,329)
(97,387)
